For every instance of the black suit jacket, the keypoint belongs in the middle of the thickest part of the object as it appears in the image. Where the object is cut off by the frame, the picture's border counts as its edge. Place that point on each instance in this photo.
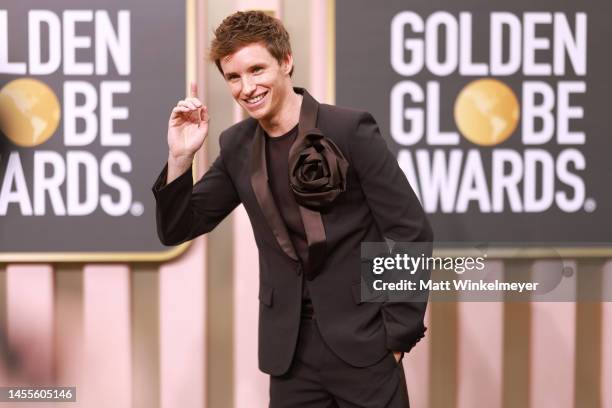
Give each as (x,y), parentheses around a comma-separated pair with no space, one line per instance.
(378,203)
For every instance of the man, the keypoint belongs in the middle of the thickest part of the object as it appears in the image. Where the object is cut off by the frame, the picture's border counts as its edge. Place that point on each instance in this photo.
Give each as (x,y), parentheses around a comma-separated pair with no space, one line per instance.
(316,180)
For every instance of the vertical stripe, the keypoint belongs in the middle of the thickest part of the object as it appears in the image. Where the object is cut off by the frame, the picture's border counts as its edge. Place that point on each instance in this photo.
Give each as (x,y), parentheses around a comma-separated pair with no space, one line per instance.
(606,337)
(69,326)
(202,69)
(202,42)
(517,332)
(219,243)
(30,319)
(251,385)
(443,356)
(4,350)
(2,298)
(553,327)
(481,348)
(297,20)
(190,44)
(588,334)
(107,345)
(417,368)
(145,336)
(331,51)
(182,308)
(181,282)
(318,51)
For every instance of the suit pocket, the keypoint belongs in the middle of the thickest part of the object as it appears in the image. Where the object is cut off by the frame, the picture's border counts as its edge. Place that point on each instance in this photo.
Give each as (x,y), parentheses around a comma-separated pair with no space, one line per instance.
(266,294)
(368,296)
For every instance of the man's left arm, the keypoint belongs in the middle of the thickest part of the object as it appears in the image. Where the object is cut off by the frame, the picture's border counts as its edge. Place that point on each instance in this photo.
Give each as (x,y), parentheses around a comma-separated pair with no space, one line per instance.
(398,214)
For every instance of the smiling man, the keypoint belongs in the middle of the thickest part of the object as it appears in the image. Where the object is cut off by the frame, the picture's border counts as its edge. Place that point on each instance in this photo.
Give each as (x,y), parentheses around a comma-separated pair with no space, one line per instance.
(316,180)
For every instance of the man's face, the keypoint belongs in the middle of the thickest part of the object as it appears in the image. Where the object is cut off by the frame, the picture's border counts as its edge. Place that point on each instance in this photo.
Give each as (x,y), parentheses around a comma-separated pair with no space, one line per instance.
(257,81)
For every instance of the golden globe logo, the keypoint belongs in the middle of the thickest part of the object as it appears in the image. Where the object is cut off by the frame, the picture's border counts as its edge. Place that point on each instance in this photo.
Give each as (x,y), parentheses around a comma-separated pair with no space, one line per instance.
(29,112)
(487,112)
(74,180)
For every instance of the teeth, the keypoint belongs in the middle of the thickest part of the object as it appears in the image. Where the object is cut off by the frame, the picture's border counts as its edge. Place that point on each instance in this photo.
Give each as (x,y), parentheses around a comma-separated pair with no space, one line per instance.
(256,99)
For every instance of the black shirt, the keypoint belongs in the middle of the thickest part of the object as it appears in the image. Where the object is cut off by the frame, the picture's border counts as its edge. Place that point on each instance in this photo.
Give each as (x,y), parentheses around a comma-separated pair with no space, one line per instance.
(277,160)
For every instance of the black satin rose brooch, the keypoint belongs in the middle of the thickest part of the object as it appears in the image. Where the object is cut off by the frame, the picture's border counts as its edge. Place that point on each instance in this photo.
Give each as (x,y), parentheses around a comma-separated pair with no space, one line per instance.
(317,170)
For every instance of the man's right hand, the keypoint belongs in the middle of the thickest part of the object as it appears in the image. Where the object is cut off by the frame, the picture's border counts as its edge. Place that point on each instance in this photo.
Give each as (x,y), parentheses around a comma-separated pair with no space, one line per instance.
(187,130)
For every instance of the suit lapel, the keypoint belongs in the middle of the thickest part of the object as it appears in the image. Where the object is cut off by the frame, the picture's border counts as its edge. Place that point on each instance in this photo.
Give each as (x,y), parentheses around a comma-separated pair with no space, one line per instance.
(261,188)
(313,223)
(312,220)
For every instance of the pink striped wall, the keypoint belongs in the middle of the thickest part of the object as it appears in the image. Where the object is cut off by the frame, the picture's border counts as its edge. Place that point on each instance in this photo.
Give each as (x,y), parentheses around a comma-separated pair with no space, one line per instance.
(106,327)
(552,342)
(29,309)
(480,350)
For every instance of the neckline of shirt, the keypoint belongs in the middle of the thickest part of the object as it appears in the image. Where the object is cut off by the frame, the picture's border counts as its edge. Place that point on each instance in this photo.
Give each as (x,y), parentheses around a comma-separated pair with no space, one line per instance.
(283,136)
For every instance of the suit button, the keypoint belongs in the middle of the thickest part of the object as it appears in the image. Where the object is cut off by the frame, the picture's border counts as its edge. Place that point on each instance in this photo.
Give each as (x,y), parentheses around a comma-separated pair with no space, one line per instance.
(299,270)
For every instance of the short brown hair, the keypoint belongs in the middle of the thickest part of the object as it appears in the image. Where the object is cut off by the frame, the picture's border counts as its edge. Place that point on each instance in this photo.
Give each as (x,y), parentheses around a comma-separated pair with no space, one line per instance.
(247,27)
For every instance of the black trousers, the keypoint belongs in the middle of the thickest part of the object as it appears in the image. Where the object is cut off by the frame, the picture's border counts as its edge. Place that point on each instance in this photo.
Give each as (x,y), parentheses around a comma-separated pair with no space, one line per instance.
(318,378)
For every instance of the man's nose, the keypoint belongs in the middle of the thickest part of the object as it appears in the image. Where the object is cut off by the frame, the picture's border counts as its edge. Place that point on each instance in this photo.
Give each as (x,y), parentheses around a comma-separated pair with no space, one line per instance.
(247,86)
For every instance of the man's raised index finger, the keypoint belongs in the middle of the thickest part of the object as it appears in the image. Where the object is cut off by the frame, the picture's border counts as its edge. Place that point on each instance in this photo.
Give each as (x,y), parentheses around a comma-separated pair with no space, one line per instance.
(193,91)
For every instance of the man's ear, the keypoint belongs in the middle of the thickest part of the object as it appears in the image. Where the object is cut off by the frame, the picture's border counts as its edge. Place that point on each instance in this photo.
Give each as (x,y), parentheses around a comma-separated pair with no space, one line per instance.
(287,65)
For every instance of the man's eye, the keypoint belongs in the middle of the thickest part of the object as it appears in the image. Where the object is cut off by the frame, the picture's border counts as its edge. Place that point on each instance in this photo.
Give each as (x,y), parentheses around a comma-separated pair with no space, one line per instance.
(257,69)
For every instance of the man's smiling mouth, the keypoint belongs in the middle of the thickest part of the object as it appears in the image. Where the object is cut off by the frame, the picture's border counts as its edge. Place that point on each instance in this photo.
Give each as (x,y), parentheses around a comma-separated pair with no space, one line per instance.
(256,99)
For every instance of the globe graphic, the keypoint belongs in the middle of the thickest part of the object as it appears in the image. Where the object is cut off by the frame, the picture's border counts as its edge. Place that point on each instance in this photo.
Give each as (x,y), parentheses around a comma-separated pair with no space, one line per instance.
(486,112)
(29,112)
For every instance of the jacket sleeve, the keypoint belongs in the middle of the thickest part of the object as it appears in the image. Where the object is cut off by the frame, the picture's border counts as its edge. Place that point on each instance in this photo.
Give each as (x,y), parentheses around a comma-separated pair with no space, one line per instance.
(185,211)
(398,215)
